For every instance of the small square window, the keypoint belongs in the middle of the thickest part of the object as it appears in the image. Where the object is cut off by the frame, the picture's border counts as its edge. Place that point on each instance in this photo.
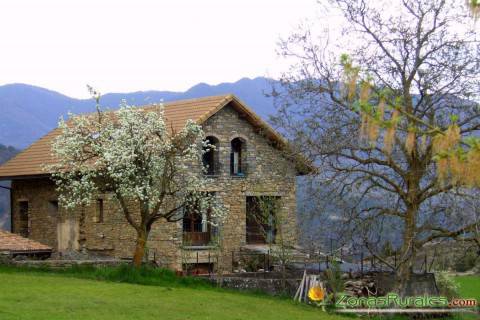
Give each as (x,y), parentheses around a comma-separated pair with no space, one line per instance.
(99,211)
(53,207)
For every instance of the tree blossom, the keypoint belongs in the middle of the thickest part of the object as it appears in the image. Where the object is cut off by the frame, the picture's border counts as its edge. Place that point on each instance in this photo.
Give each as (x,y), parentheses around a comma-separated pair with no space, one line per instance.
(133,154)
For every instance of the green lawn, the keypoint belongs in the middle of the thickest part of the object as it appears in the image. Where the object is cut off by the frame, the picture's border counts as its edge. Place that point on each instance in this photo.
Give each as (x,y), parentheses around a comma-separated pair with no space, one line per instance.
(27,295)
(469,286)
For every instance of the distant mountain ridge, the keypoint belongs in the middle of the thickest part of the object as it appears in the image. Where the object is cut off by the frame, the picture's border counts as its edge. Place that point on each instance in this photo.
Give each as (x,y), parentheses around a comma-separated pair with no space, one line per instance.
(28,112)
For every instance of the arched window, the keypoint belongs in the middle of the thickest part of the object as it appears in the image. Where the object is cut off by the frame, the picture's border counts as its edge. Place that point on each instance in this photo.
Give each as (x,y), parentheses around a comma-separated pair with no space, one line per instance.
(237,157)
(210,156)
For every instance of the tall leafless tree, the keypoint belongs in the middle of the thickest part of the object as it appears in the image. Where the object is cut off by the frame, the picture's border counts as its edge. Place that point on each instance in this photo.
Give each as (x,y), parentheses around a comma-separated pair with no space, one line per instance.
(426,54)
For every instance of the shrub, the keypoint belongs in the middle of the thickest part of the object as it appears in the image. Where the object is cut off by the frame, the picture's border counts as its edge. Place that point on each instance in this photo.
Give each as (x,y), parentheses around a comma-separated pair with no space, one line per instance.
(466,262)
(447,285)
(251,262)
(144,275)
(335,282)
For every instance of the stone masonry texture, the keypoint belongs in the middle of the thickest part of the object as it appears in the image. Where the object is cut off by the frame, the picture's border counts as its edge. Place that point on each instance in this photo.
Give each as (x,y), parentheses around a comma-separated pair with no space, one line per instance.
(268,173)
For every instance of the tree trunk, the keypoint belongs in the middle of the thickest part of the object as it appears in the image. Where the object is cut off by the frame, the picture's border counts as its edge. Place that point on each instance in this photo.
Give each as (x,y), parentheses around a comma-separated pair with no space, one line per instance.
(140,248)
(284,277)
(403,276)
(407,253)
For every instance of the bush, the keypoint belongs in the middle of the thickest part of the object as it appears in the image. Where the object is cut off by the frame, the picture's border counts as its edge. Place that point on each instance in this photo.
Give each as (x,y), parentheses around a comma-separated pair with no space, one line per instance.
(466,262)
(335,283)
(251,262)
(126,273)
(447,285)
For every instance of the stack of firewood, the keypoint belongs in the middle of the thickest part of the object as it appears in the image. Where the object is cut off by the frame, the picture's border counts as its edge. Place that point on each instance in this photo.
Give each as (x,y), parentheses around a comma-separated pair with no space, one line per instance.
(363,287)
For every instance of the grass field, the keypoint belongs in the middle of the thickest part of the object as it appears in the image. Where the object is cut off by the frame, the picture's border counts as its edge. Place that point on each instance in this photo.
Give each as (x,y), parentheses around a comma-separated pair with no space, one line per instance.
(27,295)
(469,286)
(75,294)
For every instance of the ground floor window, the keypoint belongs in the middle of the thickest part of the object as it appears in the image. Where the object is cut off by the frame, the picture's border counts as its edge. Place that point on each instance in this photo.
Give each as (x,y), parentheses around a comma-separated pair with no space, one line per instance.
(260,215)
(23,219)
(99,211)
(196,228)
(53,208)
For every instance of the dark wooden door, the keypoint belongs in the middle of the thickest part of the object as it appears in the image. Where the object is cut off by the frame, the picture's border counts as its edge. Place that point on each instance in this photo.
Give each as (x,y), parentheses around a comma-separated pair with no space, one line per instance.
(23,221)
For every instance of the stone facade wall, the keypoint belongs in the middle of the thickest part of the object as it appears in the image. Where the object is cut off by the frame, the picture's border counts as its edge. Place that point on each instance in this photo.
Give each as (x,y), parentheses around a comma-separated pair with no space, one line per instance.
(273,287)
(43,222)
(268,174)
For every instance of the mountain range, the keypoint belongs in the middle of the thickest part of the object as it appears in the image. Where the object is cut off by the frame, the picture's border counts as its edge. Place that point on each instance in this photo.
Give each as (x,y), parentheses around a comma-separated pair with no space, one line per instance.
(28,112)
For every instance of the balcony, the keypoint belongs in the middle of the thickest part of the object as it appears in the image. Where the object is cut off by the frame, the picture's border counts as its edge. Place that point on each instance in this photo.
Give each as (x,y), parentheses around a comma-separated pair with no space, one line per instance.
(196,238)
(255,235)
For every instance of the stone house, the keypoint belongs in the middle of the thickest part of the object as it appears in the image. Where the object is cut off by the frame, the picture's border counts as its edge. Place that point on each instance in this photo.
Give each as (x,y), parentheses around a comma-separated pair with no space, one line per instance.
(248,162)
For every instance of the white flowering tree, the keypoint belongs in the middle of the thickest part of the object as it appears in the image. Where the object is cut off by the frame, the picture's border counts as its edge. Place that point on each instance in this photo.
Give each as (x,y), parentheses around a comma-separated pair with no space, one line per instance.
(151,171)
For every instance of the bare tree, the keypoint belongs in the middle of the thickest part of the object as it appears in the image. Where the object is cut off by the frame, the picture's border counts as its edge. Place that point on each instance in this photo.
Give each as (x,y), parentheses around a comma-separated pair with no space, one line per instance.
(418,64)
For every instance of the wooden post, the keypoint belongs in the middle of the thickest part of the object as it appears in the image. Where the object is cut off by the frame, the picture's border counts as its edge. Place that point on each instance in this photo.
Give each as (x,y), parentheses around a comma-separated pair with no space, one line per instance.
(209,264)
(299,294)
(361,263)
(268,259)
(264,265)
(426,266)
(433,259)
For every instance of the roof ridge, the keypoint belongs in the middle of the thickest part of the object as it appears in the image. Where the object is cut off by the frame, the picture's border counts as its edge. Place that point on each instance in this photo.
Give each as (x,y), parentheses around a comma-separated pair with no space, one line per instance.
(172,102)
(188,101)
(225,96)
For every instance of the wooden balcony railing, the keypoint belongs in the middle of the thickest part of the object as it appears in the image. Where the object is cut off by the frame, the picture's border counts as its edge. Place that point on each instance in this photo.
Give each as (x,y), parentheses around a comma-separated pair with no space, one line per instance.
(255,235)
(196,238)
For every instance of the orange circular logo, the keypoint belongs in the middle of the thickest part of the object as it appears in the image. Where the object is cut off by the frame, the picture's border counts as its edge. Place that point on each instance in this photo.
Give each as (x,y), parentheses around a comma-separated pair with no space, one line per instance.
(316,293)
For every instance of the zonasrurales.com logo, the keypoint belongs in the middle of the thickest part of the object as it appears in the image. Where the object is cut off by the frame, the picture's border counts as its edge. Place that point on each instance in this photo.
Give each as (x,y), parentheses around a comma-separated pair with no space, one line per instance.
(392,302)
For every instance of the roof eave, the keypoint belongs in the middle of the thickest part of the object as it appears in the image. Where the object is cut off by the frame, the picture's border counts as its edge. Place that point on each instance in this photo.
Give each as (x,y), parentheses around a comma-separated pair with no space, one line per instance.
(24,177)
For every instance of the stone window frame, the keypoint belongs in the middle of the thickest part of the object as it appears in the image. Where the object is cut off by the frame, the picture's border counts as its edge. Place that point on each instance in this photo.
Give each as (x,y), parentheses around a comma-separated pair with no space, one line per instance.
(217,169)
(244,157)
(99,211)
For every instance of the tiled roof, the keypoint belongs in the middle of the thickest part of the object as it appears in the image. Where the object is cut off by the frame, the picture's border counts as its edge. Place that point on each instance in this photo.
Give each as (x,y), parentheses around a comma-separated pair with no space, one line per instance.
(32,160)
(14,243)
